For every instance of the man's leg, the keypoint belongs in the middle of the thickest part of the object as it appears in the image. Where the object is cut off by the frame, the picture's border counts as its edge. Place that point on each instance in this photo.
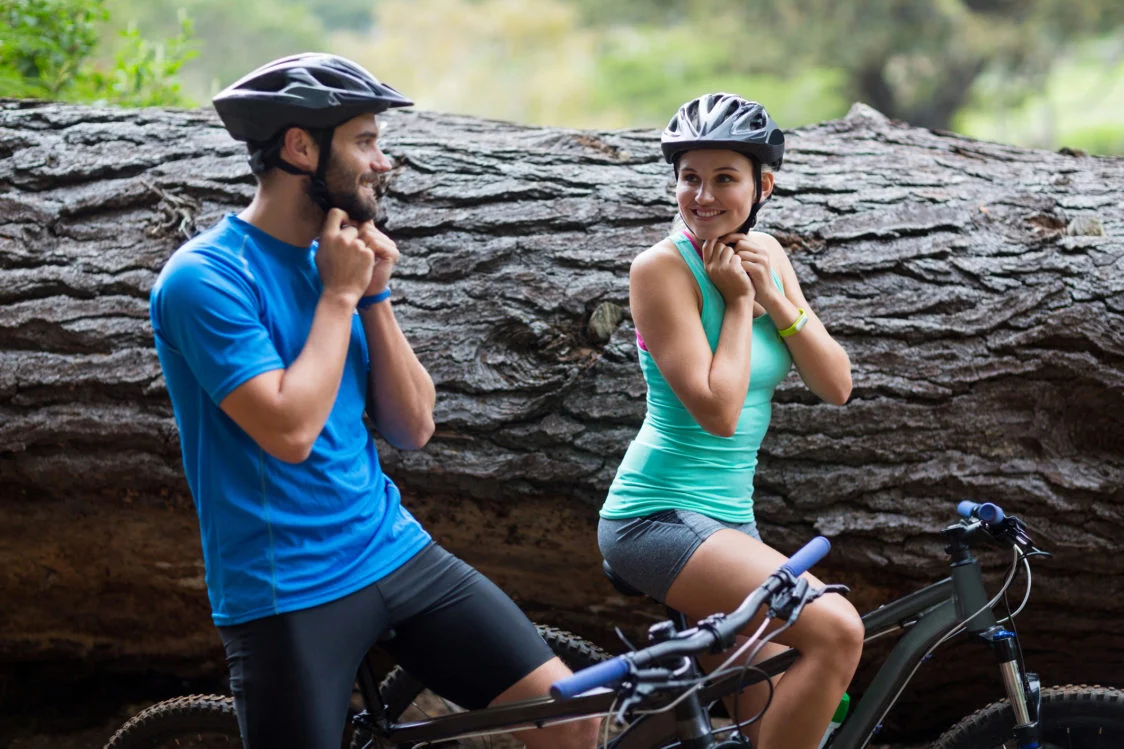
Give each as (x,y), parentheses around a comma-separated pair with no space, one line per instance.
(292,674)
(465,639)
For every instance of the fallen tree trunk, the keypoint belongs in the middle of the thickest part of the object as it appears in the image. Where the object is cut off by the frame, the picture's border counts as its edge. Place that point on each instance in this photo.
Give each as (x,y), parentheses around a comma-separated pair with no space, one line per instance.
(978,288)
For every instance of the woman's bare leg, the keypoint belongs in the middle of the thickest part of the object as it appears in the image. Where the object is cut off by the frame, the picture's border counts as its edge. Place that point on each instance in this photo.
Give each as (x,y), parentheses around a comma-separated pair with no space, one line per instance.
(829,635)
(752,699)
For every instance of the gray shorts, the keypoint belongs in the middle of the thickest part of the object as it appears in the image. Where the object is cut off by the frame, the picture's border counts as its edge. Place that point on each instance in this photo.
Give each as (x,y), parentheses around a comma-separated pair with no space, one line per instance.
(649,552)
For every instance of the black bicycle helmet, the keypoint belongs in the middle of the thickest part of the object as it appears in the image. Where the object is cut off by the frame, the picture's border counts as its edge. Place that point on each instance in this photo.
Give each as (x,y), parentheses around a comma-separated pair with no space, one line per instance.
(314,91)
(726,121)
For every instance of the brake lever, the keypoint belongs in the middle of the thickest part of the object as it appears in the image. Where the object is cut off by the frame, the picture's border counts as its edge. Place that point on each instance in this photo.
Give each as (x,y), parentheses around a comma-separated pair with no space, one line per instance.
(645,684)
(789,604)
(638,692)
(1015,531)
(785,603)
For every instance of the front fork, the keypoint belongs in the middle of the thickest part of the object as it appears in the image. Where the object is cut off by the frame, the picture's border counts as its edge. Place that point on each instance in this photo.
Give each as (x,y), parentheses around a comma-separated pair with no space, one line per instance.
(1024,692)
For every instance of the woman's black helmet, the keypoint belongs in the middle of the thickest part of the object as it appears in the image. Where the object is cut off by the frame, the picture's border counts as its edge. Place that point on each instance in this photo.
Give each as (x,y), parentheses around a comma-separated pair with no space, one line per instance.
(726,121)
(313,91)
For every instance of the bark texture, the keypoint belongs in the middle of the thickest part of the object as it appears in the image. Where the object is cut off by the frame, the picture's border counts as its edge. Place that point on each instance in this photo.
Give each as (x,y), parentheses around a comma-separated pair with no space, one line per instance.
(978,288)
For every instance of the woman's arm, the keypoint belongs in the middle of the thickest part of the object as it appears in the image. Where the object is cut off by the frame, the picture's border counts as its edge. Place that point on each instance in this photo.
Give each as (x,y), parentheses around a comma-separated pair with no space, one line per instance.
(665,302)
(821,361)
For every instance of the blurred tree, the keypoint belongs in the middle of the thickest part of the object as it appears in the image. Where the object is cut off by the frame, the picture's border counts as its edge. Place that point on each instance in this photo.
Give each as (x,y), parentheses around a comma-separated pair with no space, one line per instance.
(47,50)
(646,73)
(915,60)
(537,63)
(356,15)
(1079,103)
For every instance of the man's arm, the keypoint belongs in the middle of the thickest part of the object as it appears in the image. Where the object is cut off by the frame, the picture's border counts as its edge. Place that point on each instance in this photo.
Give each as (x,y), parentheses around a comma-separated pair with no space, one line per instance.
(402,392)
(284,410)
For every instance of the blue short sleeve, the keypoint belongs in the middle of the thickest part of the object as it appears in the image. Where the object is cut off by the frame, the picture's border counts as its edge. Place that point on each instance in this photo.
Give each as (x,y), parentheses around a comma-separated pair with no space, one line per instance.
(207,311)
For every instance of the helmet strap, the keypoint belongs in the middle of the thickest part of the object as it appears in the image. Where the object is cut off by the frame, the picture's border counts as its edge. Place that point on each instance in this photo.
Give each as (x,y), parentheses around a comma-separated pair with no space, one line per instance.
(757,200)
(268,156)
(318,185)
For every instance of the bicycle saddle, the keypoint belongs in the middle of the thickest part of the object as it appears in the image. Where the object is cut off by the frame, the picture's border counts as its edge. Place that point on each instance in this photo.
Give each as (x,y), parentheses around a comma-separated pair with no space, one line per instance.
(622,587)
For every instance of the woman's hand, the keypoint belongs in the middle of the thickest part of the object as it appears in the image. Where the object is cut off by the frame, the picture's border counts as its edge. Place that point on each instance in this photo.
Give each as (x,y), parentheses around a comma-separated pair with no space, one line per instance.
(758,265)
(726,271)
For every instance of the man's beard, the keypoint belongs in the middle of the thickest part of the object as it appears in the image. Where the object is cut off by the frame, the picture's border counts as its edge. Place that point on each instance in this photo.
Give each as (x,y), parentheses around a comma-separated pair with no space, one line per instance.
(345,193)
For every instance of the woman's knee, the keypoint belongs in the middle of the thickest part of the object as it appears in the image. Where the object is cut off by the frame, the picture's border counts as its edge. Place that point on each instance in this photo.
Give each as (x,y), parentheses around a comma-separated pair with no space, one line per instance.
(838,631)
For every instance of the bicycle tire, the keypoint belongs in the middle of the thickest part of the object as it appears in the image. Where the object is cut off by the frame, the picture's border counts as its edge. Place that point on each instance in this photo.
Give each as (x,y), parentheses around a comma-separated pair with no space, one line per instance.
(199,721)
(1075,716)
(404,695)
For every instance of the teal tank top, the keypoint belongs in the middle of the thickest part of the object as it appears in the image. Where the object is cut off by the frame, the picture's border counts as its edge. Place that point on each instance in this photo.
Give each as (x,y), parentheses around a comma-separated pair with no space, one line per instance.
(673,463)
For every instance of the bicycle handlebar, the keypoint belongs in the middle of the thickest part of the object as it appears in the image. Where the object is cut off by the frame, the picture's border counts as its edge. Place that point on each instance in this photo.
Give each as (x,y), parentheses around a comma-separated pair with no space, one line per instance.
(985,512)
(610,673)
(613,672)
(807,556)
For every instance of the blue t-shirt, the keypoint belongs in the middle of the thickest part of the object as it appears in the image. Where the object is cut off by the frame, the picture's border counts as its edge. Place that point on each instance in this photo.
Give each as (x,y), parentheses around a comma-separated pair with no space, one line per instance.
(232,303)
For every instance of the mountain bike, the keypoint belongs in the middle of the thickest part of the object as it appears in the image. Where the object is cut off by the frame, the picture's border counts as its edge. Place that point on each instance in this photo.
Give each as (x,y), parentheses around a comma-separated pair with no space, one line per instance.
(209,721)
(669,698)
(657,697)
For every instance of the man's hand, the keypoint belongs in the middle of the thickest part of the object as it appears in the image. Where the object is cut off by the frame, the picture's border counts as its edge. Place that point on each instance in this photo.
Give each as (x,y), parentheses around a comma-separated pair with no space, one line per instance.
(345,261)
(386,256)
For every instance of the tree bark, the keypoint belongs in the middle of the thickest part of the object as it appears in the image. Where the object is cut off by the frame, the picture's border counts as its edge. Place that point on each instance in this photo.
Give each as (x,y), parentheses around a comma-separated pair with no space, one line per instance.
(978,288)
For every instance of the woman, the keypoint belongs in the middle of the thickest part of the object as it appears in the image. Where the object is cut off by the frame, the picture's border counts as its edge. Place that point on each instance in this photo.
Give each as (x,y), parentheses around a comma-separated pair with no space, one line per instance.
(720,319)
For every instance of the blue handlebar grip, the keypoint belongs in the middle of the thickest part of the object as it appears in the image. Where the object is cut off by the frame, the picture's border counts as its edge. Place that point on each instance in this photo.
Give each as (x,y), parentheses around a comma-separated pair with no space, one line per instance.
(989,513)
(966,508)
(607,674)
(808,555)
(986,512)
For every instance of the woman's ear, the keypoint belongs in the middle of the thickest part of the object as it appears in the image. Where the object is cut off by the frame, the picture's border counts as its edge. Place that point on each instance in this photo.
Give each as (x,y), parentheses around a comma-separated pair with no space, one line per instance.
(766,185)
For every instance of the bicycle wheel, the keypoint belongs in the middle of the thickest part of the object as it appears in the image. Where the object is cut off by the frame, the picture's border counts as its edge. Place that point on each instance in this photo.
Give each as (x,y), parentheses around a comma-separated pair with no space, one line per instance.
(1072,717)
(201,721)
(407,699)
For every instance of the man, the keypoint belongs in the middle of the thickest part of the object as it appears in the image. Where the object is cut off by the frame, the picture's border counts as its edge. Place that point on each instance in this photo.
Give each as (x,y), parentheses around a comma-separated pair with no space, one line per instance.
(270,342)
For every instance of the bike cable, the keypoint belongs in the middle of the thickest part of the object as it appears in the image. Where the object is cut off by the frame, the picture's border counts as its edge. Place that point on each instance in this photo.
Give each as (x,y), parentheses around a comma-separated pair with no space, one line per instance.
(990,604)
(952,632)
(755,639)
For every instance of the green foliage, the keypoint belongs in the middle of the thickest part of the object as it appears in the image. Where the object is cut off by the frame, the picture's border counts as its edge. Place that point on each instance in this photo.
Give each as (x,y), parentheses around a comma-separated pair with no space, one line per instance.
(646,73)
(233,37)
(507,59)
(47,50)
(144,73)
(537,63)
(343,14)
(1078,104)
(998,69)
(915,60)
(43,44)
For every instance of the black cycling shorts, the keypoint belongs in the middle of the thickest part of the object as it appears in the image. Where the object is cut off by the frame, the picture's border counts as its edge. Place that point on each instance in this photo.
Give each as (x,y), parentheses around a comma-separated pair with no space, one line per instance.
(292,674)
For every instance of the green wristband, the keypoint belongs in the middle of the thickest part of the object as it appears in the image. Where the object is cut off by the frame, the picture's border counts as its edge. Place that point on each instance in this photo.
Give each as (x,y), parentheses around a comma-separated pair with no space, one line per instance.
(797,325)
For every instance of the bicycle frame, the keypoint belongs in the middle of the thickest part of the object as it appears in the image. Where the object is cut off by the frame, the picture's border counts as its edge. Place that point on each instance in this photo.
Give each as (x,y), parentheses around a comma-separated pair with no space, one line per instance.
(927,616)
